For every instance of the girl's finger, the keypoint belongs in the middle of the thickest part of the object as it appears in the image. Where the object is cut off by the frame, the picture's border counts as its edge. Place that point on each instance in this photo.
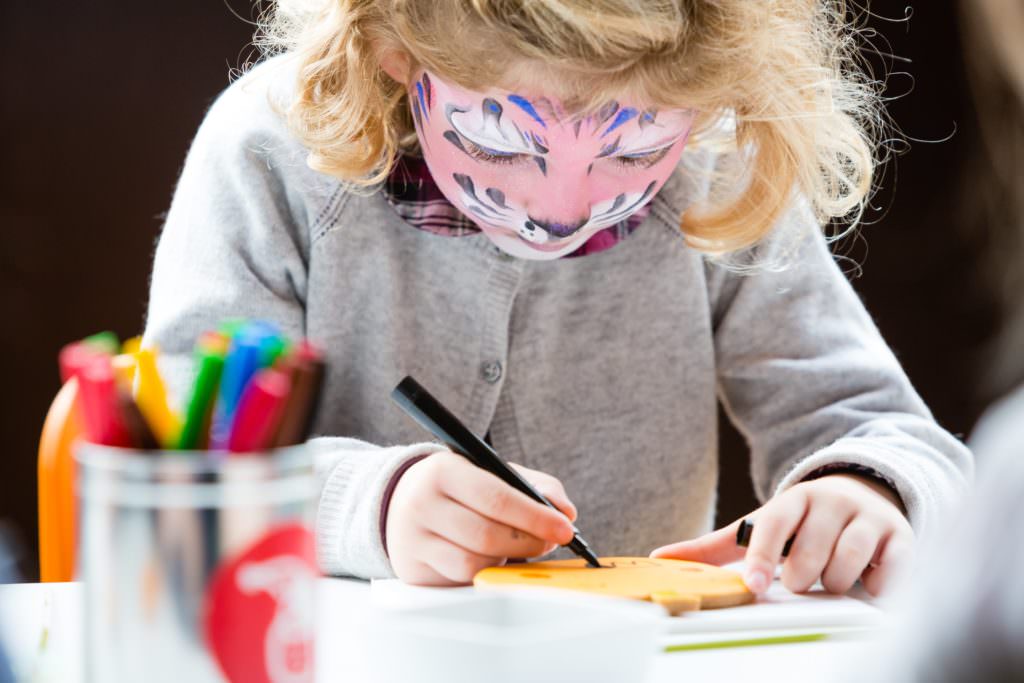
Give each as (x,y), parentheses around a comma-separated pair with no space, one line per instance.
(489,496)
(775,522)
(893,556)
(853,552)
(454,563)
(717,547)
(472,531)
(549,487)
(813,546)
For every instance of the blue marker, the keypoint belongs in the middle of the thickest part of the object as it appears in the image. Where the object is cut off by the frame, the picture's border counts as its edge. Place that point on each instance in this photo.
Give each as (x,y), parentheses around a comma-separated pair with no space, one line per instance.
(253,346)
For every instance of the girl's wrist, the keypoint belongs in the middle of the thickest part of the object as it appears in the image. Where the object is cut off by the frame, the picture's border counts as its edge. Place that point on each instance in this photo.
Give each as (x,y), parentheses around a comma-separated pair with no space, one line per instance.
(389,490)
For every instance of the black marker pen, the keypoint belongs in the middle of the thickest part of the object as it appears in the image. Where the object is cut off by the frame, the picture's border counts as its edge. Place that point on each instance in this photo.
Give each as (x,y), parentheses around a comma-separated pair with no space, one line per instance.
(746,528)
(438,420)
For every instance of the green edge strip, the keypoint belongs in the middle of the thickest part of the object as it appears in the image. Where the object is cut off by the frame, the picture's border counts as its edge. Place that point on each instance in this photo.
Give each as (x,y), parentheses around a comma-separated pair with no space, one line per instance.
(772,640)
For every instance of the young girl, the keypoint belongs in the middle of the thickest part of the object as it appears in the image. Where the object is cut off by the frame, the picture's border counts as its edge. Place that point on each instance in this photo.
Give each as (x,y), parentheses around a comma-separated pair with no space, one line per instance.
(527,206)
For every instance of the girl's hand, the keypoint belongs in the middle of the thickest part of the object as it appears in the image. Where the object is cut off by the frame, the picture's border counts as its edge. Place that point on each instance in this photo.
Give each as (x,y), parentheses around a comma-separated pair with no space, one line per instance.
(846,527)
(448,519)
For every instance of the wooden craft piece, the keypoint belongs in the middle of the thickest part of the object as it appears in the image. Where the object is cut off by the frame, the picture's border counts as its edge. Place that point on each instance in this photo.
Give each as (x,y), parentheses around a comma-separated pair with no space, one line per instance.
(677,585)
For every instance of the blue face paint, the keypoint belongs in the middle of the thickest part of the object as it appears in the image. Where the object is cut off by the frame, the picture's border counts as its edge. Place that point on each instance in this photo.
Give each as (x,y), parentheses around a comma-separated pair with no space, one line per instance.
(423,104)
(492,114)
(430,90)
(623,116)
(525,105)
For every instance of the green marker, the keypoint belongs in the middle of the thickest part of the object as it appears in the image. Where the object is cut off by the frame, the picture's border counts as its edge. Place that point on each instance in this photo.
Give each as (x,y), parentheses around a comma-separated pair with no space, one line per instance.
(270,349)
(104,342)
(195,431)
(229,327)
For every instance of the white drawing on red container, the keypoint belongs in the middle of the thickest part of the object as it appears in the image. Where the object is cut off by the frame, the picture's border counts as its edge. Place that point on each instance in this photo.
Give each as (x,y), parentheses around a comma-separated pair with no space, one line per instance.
(288,642)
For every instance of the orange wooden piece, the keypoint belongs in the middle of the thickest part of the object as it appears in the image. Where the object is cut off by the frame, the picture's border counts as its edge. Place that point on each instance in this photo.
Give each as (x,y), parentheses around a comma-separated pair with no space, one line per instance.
(56,472)
(677,585)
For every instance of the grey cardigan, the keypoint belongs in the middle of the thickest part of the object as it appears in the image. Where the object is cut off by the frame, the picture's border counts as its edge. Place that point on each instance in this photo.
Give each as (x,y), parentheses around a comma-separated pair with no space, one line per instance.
(603,370)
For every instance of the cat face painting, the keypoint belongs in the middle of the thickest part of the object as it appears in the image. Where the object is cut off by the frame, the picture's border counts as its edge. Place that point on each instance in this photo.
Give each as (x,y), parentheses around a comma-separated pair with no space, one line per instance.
(537,182)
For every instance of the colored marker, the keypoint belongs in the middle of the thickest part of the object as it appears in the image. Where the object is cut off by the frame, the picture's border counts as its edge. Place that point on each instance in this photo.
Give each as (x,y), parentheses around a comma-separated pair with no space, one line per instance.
(74,357)
(131,345)
(242,362)
(254,345)
(305,367)
(195,432)
(421,406)
(745,529)
(229,327)
(213,342)
(104,342)
(259,411)
(100,410)
(139,433)
(271,349)
(151,397)
(124,370)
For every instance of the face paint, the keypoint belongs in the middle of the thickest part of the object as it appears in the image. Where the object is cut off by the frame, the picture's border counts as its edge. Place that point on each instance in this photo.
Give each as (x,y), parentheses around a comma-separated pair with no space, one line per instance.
(539,183)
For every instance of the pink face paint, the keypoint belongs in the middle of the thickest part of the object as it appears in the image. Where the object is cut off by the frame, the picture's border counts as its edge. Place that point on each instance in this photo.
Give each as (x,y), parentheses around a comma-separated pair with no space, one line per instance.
(536,182)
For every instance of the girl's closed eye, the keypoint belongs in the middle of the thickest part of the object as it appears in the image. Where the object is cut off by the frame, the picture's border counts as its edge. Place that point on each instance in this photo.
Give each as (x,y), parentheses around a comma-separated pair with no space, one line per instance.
(644,159)
(492,156)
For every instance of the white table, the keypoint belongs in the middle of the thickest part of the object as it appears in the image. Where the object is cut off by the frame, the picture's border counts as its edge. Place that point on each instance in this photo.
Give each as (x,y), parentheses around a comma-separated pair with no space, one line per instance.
(40,623)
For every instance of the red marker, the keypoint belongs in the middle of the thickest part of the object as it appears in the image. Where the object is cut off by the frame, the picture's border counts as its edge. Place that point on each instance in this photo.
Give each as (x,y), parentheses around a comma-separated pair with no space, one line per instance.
(98,402)
(73,358)
(259,411)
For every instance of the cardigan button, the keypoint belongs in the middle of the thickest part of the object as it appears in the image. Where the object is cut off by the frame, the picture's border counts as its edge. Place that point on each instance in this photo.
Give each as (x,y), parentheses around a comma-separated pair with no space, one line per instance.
(491,371)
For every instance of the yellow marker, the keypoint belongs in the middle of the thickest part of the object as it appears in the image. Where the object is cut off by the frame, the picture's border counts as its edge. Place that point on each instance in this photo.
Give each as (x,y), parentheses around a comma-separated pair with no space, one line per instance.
(131,346)
(152,399)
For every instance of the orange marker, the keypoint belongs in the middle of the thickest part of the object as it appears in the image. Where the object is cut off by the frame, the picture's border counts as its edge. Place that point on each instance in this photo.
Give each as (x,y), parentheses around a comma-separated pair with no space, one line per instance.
(56,486)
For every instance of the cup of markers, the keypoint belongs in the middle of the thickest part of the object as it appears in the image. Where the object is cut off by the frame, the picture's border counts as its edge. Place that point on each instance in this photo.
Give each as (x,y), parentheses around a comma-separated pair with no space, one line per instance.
(195,540)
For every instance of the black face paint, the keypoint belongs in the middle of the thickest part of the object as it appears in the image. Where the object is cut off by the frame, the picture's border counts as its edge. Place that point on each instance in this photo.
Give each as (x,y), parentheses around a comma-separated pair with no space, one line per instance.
(453,137)
(496,196)
(609,215)
(416,114)
(610,148)
(606,112)
(541,149)
(429,89)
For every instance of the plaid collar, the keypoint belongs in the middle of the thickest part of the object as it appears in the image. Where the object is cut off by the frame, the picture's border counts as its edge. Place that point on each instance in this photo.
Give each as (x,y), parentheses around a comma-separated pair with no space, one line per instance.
(414,195)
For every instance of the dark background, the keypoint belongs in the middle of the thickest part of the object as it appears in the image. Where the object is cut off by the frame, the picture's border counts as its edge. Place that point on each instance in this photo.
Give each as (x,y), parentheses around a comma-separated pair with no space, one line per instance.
(99,102)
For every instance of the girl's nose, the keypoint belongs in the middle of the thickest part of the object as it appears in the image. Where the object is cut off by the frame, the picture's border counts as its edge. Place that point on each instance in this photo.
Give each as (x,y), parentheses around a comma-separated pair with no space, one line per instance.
(555,228)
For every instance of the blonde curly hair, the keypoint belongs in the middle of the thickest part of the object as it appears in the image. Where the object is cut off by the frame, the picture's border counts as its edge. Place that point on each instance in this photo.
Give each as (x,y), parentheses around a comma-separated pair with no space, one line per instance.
(784,72)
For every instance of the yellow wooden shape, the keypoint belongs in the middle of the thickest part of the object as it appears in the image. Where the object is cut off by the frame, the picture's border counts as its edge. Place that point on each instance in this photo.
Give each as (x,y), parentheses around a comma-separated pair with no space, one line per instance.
(677,585)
